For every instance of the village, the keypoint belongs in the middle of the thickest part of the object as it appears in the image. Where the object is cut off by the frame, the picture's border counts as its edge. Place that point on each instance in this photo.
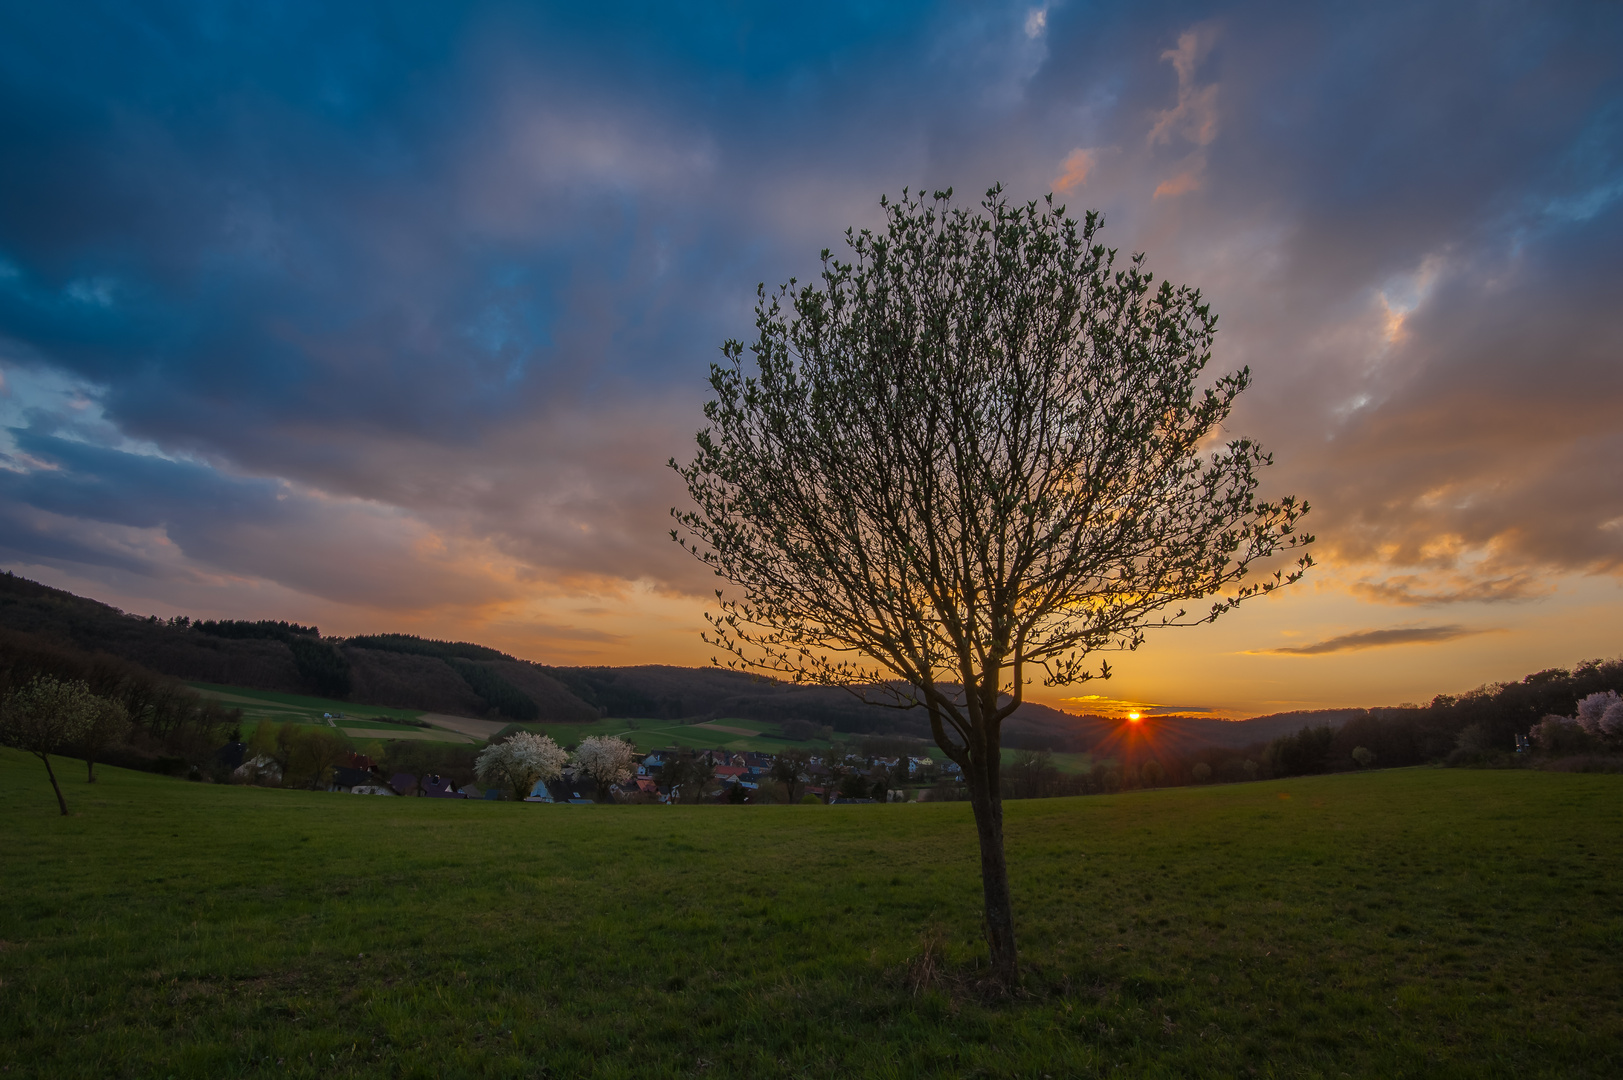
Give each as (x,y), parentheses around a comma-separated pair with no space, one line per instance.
(686,776)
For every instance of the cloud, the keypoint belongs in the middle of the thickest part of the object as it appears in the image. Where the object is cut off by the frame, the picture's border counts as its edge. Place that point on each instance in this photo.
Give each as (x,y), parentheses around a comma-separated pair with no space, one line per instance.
(1182,184)
(1194,117)
(1074,170)
(1374,639)
(413,310)
(1101,705)
(1453,588)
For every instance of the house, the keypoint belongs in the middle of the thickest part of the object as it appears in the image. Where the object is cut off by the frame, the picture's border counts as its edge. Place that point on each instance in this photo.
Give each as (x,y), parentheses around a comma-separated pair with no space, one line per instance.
(730,774)
(370,789)
(345,778)
(539,793)
(435,786)
(572,789)
(260,770)
(403,783)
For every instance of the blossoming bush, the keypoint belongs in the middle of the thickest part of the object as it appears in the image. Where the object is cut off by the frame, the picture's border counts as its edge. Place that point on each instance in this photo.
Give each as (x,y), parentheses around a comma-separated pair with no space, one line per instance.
(520,762)
(1561,735)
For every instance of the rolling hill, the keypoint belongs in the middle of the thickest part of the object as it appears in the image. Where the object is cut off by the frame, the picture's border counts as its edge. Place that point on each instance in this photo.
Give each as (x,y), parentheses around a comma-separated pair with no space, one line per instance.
(463,678)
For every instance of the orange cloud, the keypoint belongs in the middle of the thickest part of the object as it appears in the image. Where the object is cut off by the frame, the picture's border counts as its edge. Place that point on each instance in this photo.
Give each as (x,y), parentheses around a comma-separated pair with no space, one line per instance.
(1195,115)
(1077,165)
(1181,184)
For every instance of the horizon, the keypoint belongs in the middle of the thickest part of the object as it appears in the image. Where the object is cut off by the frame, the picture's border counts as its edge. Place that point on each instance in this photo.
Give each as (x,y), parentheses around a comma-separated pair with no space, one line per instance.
(388,322)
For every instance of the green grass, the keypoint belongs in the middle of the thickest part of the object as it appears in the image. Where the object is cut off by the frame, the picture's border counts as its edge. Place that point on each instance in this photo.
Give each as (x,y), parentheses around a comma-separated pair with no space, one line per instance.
(303,709)
(1425,923)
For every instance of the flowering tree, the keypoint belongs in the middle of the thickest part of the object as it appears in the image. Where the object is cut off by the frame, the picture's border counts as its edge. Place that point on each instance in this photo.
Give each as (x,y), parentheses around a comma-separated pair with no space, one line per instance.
(519,762)
(1602,714)
(979,452)
(107,723)
(44,718)
(607,759)
(1560,735)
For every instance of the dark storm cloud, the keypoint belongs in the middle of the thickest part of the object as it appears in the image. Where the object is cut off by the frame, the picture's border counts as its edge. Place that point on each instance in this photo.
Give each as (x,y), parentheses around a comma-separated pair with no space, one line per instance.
(404,279)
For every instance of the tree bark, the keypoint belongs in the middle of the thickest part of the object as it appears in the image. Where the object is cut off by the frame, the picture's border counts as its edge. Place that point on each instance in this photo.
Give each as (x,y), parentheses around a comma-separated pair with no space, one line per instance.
(995,882)
(90,767)
(60,801)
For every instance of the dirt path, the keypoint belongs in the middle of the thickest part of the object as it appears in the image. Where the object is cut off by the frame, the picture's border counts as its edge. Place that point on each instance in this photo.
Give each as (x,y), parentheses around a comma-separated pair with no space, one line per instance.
(382,734)
(728,730)
(464,725)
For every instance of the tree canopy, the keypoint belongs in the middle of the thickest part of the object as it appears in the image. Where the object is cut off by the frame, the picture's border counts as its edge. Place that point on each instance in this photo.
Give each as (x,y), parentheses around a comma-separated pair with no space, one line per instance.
(979,452)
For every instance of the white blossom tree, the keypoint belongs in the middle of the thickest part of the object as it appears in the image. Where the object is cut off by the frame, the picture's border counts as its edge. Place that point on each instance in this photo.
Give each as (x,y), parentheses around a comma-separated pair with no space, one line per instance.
(44,718)
(607,759)
(520,762)
(1602,714)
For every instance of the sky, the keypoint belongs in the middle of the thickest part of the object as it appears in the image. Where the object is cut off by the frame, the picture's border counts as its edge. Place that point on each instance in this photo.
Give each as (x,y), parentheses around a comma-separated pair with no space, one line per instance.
(388,317)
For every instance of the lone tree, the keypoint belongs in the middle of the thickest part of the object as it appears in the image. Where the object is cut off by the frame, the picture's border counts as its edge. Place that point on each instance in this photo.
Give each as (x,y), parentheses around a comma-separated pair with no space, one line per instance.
(977,452)
(47,717)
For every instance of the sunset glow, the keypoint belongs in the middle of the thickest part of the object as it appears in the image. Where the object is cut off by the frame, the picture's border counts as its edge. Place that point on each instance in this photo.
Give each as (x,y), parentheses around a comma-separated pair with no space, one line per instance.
(405,347)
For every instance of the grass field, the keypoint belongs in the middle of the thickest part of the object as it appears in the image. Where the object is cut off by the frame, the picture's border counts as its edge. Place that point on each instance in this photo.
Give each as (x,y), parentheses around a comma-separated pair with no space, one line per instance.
(1404,923)
(301,709)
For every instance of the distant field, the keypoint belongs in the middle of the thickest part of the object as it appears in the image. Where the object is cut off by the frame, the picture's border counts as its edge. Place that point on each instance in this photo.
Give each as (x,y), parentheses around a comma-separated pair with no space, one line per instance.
(298,708)
(657,734)
(363,723)
(1410,923)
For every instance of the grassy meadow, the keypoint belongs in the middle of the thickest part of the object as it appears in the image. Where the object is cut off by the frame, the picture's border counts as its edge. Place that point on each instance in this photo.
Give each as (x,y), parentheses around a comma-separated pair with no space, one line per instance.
(1417,923)
(283,708)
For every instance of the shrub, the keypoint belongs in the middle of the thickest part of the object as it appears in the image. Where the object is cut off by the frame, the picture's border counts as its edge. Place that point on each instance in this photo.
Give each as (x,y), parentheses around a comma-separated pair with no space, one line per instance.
(1364,756)
(1561,735)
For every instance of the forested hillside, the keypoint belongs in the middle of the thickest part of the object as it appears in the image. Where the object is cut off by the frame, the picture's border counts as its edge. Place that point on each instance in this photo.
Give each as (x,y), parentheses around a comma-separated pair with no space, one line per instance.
(463,678)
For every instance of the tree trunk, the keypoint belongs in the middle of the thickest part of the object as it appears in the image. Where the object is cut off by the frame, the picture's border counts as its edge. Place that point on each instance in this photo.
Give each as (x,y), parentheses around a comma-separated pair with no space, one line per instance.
(90,767)
(60,801)
(995,883)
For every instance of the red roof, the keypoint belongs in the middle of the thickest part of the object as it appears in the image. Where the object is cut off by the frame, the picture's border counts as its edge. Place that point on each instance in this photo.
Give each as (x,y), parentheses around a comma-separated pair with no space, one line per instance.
(730,770)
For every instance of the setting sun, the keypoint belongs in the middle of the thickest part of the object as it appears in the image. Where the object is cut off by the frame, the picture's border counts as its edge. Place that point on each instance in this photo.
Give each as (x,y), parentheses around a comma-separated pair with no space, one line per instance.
(1134,717)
